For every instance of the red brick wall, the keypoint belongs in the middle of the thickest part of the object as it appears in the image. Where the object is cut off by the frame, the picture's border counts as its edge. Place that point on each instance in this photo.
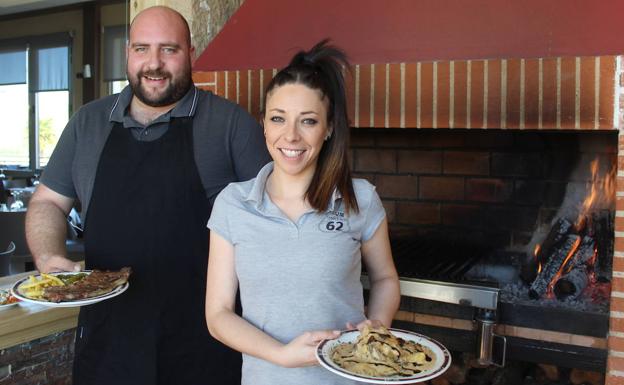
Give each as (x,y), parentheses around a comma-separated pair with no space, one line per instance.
(46,360)
(544,93)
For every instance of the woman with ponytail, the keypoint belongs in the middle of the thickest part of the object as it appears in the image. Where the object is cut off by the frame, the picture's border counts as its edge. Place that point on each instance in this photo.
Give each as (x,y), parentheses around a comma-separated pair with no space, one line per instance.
(293,239)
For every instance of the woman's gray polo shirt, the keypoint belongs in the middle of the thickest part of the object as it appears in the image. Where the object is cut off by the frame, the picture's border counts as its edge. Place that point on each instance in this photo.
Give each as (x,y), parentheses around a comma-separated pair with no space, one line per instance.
(295,277)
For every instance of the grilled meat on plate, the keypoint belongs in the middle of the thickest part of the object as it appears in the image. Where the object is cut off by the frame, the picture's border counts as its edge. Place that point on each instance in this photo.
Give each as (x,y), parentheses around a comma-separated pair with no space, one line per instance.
(95,284)
(378,353)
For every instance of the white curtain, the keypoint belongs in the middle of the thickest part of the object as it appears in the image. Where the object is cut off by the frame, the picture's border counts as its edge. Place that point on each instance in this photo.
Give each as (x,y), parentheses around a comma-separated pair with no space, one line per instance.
(13,67)
(52,68)
(115,53)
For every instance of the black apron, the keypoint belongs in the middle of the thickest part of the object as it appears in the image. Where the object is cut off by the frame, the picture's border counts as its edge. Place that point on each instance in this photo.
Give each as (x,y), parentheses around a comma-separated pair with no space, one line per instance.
(149,211)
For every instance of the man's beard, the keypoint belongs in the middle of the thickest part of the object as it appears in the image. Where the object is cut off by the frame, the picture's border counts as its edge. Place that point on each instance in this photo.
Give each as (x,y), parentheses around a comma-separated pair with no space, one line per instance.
(175,91)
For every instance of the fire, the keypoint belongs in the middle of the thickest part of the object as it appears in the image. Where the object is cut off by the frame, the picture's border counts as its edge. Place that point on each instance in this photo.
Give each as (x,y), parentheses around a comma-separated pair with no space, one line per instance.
(563,266)
(600,195)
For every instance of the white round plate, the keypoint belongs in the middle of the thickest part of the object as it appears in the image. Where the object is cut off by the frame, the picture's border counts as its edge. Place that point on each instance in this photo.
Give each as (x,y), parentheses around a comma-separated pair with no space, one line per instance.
(81,302)
(442,358)
(8,305)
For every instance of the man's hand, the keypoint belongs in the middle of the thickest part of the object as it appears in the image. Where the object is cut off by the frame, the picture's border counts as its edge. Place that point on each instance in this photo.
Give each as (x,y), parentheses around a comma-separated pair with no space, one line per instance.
(52,263)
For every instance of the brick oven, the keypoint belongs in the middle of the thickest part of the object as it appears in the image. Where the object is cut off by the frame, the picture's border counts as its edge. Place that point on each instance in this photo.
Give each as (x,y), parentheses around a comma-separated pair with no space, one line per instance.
(475,160)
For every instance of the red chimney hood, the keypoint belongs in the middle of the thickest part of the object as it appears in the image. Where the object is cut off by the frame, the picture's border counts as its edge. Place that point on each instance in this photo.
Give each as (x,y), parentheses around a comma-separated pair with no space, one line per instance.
(266,33)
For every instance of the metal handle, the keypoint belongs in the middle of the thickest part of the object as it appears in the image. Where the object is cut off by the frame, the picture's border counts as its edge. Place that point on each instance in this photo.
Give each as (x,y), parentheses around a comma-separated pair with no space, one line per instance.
(487,337)
(504,353)
(486,341)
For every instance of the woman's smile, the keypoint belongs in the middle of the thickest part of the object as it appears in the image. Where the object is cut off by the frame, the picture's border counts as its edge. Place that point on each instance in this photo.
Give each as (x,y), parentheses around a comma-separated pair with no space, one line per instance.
(295,126)
(291,153)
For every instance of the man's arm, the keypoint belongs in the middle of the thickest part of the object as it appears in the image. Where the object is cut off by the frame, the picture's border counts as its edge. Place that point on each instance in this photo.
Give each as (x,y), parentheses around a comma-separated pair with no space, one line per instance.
(46,230)
(249,148)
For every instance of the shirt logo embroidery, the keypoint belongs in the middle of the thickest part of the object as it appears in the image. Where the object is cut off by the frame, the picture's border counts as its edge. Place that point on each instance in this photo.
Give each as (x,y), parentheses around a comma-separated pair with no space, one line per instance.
(334,221)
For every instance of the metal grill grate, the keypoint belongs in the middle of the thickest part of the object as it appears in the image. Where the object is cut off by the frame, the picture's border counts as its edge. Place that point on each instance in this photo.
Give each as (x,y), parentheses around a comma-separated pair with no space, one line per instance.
(435,259)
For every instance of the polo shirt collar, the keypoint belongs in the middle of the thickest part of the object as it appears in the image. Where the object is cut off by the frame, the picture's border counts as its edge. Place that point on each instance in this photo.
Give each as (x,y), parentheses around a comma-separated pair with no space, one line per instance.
(256,194)
(184,108)
(332,202)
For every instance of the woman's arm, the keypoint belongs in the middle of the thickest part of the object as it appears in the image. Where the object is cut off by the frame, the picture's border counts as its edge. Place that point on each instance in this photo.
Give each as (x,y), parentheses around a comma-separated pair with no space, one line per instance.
(384,295)
(226,326)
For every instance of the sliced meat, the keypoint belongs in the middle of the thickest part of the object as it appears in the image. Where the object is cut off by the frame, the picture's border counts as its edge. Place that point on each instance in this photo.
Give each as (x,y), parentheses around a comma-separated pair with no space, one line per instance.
(378,353)
(95,284)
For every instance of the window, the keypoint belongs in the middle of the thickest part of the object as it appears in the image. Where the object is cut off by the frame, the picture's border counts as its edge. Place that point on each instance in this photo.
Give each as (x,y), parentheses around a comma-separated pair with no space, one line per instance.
(34,98)
(116,86)
(115,58)
(14,99)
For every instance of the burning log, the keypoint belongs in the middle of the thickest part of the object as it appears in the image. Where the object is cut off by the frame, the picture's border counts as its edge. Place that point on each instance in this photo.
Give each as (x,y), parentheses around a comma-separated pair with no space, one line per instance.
(576,275)
(602,228)
(572,284)
(558,257)
(555,237)
(559,230)
(584,254)
(528,270)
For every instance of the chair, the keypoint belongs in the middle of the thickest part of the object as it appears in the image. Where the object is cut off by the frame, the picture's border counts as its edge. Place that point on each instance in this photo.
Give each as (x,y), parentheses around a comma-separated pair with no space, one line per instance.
(5,259)
(12,224)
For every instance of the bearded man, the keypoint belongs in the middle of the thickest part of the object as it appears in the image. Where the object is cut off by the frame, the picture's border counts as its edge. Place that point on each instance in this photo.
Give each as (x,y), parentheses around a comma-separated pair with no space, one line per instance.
(146,165)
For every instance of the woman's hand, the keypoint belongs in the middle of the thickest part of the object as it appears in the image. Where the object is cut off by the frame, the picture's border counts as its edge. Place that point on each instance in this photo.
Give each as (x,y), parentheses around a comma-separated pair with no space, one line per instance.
(300,351)
(374,323)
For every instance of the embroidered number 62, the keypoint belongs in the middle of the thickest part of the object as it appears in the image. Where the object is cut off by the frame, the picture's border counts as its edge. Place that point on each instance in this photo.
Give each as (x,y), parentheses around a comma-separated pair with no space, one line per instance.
(331,225)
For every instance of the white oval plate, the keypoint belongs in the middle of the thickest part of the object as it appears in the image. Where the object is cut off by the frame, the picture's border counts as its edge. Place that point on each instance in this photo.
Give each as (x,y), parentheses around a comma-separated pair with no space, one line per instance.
(442,358)
(81,302)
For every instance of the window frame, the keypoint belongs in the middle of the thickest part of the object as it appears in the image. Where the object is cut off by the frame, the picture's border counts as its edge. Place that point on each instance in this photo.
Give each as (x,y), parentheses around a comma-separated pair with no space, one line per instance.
(32,43)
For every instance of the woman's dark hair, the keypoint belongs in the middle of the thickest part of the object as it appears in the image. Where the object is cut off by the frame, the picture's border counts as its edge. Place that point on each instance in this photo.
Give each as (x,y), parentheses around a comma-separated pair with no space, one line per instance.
(320,69)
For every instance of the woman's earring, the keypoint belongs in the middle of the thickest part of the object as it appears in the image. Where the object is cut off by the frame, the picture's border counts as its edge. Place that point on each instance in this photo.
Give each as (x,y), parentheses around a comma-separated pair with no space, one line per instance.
(328,136)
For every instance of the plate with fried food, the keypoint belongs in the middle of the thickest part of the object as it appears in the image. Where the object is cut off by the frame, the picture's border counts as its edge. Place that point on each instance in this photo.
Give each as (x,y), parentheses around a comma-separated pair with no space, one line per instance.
(71,289)
(384,356)
(6,299)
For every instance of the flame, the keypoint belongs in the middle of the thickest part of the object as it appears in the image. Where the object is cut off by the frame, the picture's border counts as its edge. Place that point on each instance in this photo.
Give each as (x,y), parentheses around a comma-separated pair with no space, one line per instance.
(538,247)
(601,193)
